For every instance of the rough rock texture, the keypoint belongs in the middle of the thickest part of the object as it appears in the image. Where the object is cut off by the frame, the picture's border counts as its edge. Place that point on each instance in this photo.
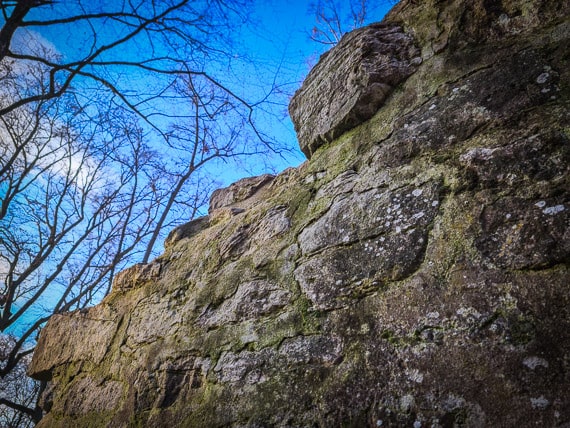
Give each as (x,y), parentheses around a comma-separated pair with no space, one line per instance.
(351,82)
(239,191)
(414,272)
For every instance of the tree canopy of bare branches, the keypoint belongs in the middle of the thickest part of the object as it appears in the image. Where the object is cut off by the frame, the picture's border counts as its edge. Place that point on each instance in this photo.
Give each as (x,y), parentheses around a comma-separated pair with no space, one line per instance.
(108,137)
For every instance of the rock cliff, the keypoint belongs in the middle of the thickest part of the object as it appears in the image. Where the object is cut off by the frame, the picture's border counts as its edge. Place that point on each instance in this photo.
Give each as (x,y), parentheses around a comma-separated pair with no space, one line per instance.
(414,272)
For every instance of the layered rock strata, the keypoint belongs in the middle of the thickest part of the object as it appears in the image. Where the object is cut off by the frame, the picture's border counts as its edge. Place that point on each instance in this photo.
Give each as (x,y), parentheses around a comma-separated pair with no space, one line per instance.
(413,272)
(351,82)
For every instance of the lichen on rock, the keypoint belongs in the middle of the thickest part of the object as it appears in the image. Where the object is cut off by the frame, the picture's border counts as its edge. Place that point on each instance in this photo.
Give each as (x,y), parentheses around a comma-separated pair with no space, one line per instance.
(351,82)
(413,272)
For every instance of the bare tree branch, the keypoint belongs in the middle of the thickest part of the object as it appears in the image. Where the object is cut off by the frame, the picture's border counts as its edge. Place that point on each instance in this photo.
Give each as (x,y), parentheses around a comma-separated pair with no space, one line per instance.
(331,21)
(105,145)
(15,20)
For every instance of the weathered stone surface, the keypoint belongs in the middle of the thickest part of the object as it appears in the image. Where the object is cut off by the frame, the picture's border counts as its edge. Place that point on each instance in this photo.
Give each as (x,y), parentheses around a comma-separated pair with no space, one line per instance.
(414,272)
(251,300)
(521,233)
(238,191)
(96,328)
(137,275)
(337,276)
(375,213)
(187,230)
(104,396)
(351,82)
(248,367)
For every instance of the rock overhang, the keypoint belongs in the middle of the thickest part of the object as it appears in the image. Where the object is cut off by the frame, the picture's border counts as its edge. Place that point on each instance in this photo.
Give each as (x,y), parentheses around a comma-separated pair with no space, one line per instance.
(351,82)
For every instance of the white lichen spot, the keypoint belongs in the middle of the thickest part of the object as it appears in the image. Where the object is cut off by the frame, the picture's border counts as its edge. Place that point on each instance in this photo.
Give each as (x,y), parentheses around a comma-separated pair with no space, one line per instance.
(435,203)
(433,106)
(364,328)
(417,424)
(468,312)
(398,229)
(406,403)
(504,19)
(419,215)
(338,282)
(379,422)
(249,337)
(554,210)
(478,153)
(542,78)
(415,375)
(433,315)
(534,362)
(540,204)
(539,403)
(417,192)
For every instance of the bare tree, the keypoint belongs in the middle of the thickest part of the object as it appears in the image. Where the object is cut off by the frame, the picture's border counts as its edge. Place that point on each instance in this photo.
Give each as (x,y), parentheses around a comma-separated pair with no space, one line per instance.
(105,144)
(74,207)
(216,121)
(334,18)
(18,393)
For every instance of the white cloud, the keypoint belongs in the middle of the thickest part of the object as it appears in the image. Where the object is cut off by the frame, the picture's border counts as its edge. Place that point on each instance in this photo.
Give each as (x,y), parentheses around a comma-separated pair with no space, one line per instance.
(31,42)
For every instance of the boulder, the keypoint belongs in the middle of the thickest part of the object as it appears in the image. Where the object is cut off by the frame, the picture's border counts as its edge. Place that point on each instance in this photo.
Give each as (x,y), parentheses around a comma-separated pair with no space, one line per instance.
(351,82)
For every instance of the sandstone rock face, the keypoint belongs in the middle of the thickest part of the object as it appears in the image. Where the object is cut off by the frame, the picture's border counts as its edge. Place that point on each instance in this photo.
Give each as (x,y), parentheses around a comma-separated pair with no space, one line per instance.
(414,272)
(351,82)
(238,191)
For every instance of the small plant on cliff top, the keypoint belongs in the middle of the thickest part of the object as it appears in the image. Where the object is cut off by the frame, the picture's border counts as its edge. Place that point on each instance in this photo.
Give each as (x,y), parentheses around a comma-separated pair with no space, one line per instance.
(333,21)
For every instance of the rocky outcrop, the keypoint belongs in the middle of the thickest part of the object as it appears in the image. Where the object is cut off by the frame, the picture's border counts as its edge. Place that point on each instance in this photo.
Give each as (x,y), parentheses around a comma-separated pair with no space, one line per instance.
(414,272)
(350,83)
